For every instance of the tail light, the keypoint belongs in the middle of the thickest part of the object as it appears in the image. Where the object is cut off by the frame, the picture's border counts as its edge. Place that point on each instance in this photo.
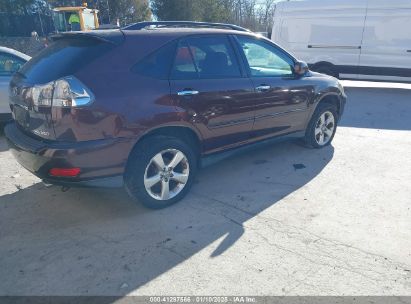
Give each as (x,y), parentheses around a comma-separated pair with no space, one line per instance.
(64,172)
(66,92)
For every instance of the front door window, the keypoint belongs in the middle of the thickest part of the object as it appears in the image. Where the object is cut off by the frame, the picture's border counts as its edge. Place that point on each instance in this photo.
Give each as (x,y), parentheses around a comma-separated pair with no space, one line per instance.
(264,60)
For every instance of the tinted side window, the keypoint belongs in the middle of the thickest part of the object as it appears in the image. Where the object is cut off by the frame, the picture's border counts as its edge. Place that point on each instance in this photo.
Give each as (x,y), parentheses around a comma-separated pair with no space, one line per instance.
(9,64)
(206,58)
(158,64)
(264,59)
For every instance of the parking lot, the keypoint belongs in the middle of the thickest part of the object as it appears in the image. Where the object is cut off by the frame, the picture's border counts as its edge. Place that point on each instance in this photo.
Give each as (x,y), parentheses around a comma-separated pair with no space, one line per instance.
(278,220)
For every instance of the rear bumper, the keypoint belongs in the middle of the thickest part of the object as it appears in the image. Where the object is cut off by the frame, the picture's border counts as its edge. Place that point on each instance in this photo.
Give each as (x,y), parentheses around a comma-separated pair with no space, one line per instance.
(101,162)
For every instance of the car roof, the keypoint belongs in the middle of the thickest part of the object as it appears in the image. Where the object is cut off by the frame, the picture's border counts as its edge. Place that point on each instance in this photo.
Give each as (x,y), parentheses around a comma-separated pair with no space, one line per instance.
(117,36)
(14,52)
(184,31)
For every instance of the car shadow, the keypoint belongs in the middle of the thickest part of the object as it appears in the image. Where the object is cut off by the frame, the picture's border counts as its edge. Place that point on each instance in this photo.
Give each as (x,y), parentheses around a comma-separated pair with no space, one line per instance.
(99,242)
(378,108)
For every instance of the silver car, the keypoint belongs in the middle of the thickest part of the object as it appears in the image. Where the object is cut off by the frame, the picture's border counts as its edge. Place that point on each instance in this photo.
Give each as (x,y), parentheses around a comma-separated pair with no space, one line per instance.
(10,62)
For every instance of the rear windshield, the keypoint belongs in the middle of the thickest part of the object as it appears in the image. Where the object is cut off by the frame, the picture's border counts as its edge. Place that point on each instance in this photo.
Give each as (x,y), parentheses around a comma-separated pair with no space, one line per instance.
(62,58)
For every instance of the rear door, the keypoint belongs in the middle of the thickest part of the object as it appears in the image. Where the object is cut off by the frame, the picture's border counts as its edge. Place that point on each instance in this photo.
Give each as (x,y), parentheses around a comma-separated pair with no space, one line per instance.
(386,47)
(281,98)
(208,83)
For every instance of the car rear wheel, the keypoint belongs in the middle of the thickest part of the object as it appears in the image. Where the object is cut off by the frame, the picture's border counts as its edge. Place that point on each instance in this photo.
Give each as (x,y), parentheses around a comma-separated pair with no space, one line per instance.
(322,126)
(160,171)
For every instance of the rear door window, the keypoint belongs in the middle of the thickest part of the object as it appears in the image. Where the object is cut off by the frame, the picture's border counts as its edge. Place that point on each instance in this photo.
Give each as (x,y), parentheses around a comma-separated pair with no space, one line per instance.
(208,57)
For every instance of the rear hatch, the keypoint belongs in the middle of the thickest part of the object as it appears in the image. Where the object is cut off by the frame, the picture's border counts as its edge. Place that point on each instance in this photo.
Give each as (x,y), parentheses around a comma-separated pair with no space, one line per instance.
(68,54)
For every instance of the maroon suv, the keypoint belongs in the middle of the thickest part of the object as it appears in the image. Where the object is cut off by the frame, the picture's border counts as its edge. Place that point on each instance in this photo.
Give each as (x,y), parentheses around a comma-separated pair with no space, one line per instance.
(141,106)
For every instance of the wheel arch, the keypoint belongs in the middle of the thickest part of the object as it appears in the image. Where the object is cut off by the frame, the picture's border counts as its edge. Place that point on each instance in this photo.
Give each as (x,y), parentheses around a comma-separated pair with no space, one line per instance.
(333,99)
(184,132)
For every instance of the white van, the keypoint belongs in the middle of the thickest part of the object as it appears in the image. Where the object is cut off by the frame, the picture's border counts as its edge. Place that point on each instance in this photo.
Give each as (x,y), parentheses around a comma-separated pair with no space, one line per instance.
(354,39)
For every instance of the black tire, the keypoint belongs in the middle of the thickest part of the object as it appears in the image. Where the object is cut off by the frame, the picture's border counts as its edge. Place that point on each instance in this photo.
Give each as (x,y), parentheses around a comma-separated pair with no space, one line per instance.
(141,157)
(310,134)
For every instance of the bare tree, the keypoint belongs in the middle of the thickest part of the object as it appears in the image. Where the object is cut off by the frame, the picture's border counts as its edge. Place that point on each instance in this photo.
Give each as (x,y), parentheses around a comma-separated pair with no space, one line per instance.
(252,14)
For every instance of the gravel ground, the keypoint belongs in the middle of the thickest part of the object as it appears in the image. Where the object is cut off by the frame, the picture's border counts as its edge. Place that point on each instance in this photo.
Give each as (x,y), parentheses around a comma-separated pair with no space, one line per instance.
(254,224)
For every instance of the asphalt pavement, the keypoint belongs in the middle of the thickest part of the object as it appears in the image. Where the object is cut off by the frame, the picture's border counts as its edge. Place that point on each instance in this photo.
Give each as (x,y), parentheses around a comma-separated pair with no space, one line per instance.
(278,220)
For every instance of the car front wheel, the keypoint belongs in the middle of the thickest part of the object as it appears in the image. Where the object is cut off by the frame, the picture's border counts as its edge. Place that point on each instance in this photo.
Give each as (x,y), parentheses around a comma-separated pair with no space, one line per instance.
(322,126)
(160,171)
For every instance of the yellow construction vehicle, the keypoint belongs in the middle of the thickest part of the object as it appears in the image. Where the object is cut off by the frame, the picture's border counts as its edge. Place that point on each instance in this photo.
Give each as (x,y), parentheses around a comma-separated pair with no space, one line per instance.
(75,18)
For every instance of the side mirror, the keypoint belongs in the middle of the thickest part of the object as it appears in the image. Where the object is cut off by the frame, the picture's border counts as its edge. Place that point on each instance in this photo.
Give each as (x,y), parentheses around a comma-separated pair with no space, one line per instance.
(300,68)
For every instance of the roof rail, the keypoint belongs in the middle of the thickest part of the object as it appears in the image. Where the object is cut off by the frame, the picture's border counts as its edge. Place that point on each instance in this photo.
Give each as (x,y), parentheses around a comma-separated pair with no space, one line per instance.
(142,25)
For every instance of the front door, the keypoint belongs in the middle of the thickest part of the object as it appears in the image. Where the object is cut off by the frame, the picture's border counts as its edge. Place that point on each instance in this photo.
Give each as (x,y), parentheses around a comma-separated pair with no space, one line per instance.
(208,84)
(281,98)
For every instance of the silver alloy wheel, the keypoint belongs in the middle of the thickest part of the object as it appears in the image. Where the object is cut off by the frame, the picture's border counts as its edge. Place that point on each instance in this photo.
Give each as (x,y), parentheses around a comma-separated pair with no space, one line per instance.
(166,174)
(324,128)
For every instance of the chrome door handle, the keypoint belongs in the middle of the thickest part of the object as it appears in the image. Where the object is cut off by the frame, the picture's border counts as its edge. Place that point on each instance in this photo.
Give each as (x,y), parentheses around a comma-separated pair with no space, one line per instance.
(187,93)
(263,88)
